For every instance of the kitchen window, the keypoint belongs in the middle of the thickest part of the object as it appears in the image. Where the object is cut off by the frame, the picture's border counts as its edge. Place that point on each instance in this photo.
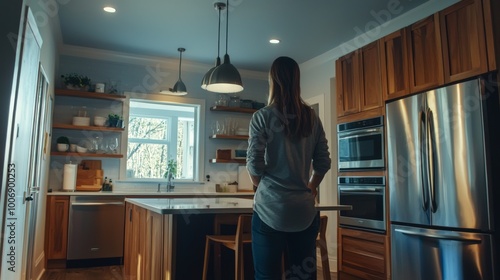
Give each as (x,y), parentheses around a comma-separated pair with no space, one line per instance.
(160,132)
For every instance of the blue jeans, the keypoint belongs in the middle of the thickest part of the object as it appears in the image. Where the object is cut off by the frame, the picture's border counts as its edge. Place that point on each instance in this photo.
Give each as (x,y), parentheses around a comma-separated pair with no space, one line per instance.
(299,249)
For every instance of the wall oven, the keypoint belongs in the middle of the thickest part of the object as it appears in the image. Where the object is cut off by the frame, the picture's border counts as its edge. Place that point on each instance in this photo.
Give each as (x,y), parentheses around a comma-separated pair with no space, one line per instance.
(361,144)
(367,197)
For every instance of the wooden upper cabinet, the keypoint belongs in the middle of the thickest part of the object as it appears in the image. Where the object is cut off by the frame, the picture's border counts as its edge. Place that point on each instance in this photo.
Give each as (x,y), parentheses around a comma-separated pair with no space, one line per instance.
(347,72)
(371,88)
(394,65)
(425,54)
(463,40)
(491,14)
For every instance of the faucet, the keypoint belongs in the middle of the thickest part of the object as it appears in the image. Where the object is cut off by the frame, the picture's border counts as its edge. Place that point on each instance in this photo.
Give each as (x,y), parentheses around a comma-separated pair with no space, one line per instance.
(170,183)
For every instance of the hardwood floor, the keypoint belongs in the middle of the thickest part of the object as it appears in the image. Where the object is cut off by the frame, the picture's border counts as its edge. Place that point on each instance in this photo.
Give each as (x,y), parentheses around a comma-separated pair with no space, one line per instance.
(93,273)
(108,273)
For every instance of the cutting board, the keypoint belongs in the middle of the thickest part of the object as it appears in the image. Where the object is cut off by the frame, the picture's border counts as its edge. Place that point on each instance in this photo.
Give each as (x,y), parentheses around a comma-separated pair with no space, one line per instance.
(89,175)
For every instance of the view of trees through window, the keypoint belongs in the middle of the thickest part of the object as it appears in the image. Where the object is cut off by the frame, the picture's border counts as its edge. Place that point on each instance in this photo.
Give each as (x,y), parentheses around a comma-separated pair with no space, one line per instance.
(159,132)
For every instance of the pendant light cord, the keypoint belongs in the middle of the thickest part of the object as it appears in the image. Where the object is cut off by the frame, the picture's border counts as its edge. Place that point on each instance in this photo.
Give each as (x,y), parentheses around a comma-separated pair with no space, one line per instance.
(218,34)
(180,63)
(227,21)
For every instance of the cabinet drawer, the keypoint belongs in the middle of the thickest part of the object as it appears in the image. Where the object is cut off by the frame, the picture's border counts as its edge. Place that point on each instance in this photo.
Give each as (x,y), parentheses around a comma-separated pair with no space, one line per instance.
(363,254)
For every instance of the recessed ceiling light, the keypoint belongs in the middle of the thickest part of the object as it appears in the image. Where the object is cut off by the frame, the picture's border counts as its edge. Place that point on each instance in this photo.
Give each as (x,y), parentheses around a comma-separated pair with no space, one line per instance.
(274,41)
(109,9)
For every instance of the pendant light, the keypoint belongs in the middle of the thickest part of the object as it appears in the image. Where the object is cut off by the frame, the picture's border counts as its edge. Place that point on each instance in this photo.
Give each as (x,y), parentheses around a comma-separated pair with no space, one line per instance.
(219,6)
(225,78)
(179,87)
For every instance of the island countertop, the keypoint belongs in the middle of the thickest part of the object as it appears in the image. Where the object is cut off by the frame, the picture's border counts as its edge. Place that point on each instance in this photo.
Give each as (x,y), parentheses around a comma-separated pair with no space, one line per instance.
(205,205)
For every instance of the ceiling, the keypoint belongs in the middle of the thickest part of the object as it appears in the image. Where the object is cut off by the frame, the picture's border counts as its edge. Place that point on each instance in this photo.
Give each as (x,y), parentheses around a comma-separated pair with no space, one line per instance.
(158,27)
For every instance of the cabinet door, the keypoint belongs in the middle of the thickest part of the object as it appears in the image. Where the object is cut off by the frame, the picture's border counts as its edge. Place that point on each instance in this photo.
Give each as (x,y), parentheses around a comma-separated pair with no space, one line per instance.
(135,233)
(463,40)
(347,72)
(371,88)
(394,65)
(491,14)
(129,254)
(154,246)
(363,254)
(57,227)
(426,60)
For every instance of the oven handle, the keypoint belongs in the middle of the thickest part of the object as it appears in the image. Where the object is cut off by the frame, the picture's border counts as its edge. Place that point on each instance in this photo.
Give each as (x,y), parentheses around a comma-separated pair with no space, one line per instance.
(343,189)
(363,132)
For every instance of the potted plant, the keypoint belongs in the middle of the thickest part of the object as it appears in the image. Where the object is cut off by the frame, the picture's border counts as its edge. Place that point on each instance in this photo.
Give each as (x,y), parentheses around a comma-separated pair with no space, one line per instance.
(62,143)
(76,81)
(113,120)
(170,173)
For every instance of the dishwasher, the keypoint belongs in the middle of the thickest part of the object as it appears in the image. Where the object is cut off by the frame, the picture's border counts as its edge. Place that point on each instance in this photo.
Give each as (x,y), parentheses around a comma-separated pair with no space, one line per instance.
(96,230)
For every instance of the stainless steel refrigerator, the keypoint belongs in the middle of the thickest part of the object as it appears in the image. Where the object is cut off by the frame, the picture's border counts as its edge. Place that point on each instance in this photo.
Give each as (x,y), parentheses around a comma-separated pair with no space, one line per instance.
(441,181)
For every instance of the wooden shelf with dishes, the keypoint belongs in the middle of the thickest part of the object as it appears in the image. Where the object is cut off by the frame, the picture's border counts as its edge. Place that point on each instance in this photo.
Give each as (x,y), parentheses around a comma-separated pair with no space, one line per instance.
(95,128)
(86,155)
(229,137)
(233,109)
(233,160)
(87,94)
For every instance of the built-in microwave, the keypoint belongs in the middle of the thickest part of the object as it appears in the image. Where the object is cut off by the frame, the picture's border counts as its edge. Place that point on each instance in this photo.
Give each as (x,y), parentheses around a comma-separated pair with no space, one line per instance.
(361,144)
(367,197)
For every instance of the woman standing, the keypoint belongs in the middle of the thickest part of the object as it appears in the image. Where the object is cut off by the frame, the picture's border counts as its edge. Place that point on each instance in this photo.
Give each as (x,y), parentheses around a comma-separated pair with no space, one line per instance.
(286,140)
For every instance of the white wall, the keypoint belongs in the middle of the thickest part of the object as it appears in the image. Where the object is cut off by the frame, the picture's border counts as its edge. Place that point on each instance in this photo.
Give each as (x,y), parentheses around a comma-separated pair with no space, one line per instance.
(145,74)
(318,80)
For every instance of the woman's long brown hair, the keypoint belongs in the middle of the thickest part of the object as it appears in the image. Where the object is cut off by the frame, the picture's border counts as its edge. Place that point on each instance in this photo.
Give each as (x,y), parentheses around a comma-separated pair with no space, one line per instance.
(284,92)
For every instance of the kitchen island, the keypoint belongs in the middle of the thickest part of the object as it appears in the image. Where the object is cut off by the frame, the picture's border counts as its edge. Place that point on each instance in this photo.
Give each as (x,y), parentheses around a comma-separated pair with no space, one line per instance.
(165,237)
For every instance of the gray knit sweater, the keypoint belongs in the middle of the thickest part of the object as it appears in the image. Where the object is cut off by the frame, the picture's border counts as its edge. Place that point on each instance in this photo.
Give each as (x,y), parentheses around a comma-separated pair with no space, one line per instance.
(282,199)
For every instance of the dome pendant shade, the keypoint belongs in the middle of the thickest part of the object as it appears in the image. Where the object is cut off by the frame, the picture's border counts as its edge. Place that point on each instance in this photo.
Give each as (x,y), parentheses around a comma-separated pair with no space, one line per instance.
(225,78)
(206,78)
(219,6)
(179,87)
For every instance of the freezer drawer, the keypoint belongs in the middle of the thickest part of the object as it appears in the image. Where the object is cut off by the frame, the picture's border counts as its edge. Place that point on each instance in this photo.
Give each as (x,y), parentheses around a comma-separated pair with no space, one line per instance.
(423,254)
(96,227)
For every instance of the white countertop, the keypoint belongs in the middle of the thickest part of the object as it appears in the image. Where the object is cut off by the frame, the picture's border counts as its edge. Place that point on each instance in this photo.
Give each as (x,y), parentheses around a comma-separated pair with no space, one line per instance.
(206,205)
(150,193)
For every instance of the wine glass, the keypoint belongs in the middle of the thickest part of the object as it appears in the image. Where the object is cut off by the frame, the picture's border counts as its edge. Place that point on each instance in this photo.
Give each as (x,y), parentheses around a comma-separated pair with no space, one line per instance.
(113,144)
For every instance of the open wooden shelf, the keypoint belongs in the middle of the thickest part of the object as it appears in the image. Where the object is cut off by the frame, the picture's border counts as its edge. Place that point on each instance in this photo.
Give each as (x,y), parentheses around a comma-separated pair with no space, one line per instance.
(86,155)
(79,127)
(233,160)
(86,94)
(233,109)
(231,137)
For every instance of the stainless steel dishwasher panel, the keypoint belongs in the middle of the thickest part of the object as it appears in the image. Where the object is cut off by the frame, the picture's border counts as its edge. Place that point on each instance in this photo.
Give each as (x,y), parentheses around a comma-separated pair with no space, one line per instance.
(96,227)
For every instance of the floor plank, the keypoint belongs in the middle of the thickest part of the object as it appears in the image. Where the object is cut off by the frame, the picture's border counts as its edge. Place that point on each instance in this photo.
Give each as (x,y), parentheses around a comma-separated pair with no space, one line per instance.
(107,273)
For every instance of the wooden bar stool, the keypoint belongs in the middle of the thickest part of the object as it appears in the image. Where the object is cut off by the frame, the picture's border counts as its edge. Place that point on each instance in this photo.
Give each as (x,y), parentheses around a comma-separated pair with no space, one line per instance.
(233,242)
(321,244)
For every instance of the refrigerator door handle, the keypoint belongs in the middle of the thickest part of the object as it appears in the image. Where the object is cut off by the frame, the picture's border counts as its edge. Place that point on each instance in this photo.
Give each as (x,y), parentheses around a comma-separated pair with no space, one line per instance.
(430,159)
(421,138)
(439,236)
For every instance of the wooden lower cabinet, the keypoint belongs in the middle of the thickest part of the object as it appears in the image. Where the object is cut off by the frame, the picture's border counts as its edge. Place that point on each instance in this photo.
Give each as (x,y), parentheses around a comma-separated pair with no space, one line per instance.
(146,244)
(363,255)
(56,231)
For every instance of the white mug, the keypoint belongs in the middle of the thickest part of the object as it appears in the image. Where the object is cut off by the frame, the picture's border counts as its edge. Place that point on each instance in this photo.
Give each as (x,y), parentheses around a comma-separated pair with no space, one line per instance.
(99,87)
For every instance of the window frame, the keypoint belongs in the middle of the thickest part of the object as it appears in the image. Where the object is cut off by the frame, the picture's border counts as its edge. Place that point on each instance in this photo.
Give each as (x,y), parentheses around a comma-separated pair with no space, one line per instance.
(199,159)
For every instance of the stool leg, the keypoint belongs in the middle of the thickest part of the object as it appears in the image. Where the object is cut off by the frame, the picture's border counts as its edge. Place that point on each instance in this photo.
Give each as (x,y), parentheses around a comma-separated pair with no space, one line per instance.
(207,256)
(325,264)
(217,260)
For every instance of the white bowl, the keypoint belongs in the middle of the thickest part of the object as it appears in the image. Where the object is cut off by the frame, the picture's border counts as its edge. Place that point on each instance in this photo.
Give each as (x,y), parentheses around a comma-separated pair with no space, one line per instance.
(99,121)
(81,121)
(80,149)
(62,147)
